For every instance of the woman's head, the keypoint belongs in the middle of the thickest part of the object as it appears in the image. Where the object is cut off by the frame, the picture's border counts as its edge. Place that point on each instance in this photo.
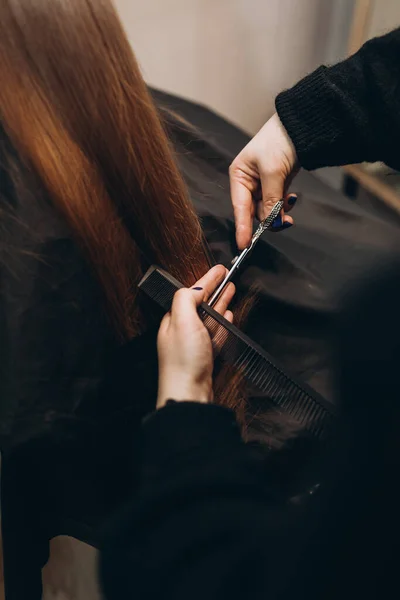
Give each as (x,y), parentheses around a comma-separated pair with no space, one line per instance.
(76,108)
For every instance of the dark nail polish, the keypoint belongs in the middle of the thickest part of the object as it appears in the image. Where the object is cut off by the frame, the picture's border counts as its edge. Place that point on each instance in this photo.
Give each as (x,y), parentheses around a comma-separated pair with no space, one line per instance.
(286,225)
(292,200)
(197,288)
(277,223)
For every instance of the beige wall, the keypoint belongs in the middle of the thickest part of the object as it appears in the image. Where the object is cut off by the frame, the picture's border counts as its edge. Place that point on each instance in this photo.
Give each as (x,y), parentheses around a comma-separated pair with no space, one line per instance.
(233,55)
(385,15)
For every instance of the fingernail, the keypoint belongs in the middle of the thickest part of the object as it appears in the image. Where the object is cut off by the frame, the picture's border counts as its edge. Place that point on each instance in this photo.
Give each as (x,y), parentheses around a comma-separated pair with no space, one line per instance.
(197,288)
(277,223)
(286,225)
(292,200)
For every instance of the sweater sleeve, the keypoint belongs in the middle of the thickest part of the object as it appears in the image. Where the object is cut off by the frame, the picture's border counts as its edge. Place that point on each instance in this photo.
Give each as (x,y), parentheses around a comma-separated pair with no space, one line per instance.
(199,523)
(350,112)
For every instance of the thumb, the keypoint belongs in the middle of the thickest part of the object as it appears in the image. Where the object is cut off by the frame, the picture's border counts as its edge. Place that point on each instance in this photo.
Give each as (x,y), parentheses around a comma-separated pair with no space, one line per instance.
(272,187)
(185,304)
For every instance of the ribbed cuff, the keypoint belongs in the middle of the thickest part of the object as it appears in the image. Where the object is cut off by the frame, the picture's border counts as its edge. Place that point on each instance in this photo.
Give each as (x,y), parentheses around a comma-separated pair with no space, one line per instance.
(182,433)
(308,112)
(322,119)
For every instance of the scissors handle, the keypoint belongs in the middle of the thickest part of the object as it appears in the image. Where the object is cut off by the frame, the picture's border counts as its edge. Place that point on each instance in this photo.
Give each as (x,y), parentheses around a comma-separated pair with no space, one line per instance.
(238,261)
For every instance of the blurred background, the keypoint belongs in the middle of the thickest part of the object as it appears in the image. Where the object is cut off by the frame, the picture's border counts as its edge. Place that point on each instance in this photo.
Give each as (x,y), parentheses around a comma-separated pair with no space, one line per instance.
(234,56)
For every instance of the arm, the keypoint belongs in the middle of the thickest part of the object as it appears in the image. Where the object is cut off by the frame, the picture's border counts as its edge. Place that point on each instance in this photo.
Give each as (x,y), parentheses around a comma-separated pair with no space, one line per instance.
(338,115)
(350,112)
(200,526)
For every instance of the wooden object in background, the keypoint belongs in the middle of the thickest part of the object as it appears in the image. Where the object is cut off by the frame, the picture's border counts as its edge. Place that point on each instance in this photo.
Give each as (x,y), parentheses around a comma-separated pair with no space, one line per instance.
(375,184)
(360,24)
(371,18)
(359,27)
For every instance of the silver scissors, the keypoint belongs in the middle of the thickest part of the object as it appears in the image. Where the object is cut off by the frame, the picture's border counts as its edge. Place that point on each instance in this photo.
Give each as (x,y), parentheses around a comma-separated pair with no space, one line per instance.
(238,261)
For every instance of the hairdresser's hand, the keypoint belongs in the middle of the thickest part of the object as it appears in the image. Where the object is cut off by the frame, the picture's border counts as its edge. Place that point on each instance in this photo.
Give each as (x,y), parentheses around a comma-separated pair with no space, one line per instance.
(185,354)
(260,176)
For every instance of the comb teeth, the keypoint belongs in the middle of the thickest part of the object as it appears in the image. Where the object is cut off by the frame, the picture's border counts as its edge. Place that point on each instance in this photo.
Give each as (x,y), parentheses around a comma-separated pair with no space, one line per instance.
(239,351)
(160,287)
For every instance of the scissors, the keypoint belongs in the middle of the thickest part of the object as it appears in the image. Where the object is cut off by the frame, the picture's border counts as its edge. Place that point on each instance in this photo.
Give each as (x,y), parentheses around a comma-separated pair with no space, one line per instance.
(238,261)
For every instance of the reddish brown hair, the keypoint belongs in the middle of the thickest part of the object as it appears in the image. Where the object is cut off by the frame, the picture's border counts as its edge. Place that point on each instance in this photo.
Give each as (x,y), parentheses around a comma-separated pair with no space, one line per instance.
(75,107)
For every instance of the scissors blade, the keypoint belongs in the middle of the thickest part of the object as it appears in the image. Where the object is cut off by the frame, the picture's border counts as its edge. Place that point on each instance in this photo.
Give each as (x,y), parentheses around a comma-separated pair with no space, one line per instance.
(238,261)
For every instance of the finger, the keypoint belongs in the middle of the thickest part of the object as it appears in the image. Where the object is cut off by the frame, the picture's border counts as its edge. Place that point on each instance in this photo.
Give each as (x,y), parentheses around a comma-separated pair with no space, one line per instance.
(209,282)
(272,185)
(290,202)
(243,210)
(219,333)
(289,179)
(225,299)
(184,306)
(229,316)
(281,222)
(164,325)
(186,301)
(214,328)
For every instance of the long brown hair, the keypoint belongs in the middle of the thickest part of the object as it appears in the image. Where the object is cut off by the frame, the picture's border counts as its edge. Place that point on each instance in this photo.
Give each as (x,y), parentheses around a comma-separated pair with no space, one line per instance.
(76,109)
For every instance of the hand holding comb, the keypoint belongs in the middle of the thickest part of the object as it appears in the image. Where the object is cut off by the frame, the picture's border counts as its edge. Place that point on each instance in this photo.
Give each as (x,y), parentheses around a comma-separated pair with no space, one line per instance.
(258,368)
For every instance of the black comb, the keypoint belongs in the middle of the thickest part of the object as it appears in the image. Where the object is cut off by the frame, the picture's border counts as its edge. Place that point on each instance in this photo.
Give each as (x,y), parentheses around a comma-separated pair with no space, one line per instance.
(258,368)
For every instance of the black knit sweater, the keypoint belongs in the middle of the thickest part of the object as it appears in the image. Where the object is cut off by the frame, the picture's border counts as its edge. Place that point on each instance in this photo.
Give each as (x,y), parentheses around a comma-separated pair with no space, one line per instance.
(350,112)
